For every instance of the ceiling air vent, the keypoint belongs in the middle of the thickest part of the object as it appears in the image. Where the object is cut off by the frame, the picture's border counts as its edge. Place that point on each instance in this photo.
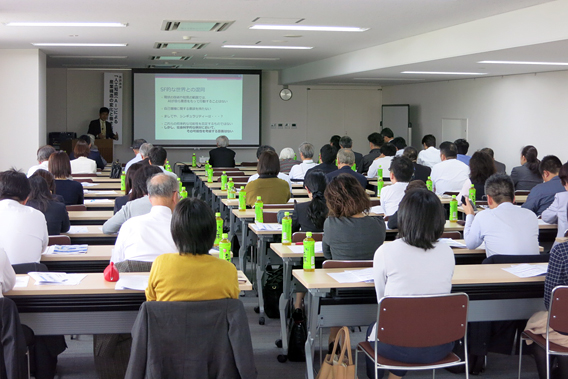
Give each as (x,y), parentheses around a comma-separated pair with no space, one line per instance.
(164,66)
(173,58)
(195,26)
(180,45)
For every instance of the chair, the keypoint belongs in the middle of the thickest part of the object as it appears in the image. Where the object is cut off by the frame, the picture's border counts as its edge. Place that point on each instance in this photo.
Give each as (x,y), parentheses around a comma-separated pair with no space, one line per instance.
(14,357)
(346,264)
(516,258)
(566,234)
(24,268)
(249,164)
(195,339)
(419,321)
(375,202)
(278,206)
(271,217)
(522,192)
(558,321)
(451,193)
(77,207)
(236,179)
(59,240)
(83,180)
(454,235)
(299,236)
(229,173)
(85,176)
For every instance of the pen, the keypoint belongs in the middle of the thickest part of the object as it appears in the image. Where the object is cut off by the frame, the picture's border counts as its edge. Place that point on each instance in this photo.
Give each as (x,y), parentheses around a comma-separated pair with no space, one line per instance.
(299,243)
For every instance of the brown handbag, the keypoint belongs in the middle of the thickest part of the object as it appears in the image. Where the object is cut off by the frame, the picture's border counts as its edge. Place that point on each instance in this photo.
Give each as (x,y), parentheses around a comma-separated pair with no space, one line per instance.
(339,366)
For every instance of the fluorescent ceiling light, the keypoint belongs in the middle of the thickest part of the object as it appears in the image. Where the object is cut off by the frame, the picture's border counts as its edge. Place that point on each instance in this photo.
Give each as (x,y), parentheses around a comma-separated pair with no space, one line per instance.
(89,56)
(82,44)
(532,63)
(74,24)
(309,28)
(267,47)
(382,79)
(443,73)
(241,58)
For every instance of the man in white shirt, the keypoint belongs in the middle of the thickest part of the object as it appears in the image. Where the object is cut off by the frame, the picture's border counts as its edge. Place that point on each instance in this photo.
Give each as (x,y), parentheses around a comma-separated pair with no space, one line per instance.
(145,149)
(505,228)
(261,149)
(43,154)
(401,171)
(450,174)
(306,155)
(136,149)
(23,230)
(158,156)
(143,238)
(430,156)
(388,151)
(7,274)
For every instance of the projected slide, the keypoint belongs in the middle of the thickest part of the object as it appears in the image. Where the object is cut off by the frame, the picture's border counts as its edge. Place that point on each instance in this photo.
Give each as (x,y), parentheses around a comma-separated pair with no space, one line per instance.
(198,107)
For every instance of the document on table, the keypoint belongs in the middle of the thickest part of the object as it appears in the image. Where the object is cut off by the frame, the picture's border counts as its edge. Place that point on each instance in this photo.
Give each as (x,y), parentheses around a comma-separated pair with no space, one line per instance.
(56,278)
(99,201)
(66,249)
(299,249)
(78,229)
(268,227)
(354,276)
(541,222)
(526,270)
(453,243)
(103,192)
(132,282)
(22,281)
(87,184)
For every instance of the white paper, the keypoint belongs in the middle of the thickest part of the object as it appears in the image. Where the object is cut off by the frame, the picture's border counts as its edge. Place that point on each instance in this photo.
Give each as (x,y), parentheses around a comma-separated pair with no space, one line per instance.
(345,277)
(66,249)
(87,184)
(98,201)
(56,278)
(526,270)
(103,192)
(377,209)
(132,282)
(364,275)
(268,227)
(453,243)
(78,229)
(541,222)
(299,249)
(22,281)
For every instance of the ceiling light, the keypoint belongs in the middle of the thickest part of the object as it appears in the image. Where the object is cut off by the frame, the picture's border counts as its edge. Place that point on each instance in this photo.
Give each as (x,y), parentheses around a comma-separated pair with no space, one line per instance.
(242,58)
(75,24)
(531,63)
(309,28)
(89,56)
(267,47)
(81,44)
(443,73)
(382,79)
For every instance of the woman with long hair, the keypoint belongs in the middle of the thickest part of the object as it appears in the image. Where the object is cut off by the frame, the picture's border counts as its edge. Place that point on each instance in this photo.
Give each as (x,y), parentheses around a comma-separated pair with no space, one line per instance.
(481,167)
(65,186)
(40,198)
(310,216)
(527,176)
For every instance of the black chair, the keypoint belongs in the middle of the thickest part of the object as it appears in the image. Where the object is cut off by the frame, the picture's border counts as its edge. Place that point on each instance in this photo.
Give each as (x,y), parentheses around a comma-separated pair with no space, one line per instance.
(14,363)
(24,268)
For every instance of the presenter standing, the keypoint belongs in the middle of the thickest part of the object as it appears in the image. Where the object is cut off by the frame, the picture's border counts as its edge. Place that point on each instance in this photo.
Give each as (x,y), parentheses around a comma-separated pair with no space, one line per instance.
(101,128)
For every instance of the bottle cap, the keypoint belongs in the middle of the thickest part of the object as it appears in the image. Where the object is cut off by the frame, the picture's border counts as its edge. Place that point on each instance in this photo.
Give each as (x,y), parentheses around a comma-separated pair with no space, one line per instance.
(183,188)
(472,186)
(286,214)
(217,214)
(258,198)
(429,177)
(453,197)
(231,179)
(242,188)
(225,235)
(308,234)
(224,172)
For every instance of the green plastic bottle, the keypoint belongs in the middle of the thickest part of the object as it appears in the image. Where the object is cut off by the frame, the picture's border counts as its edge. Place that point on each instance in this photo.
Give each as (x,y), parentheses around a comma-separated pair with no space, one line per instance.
(454,209)
(242,200)
(309,253)
(219,224)
(287,229)
(183,193)
(180,184)
(429,184)
(354,167)
(123,181)
(380,172)
(258,209)
(230,185)
(193,161)
(224,181)
(472,195)
(210,175)
(380,185)
(225,248)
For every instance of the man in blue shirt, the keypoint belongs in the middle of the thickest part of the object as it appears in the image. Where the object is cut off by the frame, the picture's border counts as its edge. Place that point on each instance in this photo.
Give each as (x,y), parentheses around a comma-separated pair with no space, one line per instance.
(542,195)
(463,147)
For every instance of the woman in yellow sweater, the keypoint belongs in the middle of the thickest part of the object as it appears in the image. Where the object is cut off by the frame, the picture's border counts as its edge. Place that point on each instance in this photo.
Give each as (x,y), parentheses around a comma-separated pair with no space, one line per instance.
(268,186)
(193,274)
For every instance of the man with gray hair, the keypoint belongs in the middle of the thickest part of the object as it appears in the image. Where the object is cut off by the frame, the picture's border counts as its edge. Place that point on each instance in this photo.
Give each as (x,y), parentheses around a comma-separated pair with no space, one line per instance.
(221,156)
(298,171)
(143,238)
(505,228)
(145,151)
(345,159)
(43,154)
(347,143)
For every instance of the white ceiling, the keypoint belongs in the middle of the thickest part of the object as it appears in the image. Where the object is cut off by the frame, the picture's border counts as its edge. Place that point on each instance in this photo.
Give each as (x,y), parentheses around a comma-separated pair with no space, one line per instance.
(336,57)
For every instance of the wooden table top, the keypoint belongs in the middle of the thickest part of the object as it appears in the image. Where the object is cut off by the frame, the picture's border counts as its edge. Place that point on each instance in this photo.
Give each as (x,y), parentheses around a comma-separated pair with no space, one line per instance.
(98,203)
(101,186)
(90,215)
(92,231)
(235,202)
(102,194)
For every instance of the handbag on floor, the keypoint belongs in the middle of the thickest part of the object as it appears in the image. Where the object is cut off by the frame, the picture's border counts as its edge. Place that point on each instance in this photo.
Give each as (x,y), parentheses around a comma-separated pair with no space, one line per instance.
(297,341)
(115,170)
(272,290)
(339,366)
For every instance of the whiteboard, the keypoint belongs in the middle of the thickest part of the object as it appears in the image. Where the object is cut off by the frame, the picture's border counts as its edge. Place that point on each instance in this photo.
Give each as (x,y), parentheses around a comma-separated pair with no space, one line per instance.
(397,118)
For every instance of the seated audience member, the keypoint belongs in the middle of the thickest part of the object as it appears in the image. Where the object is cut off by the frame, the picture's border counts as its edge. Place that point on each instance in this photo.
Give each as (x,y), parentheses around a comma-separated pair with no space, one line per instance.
(65,186)
(306,155)
(527,176)
(400,145)
(40,198)
(421,172)
(430,156)
(334,141)
(268,186)
(328,154)
(450,174)
(261,149)
(401,171)
(158,156)
(81,164)
(139,203)
(542,195)
(347,143)
(137,156)
(120,201)
(7,274)
(94,153)
(143,238)
(145,149)
(387,134)
(345,159)
(481,167)
(23,230)
(415,264)
(375,143)
(388,151)
(221,156)
(50,180)
(499,167)
(412,186)
(463,146)
(505,228)
(310,216)
(43,154)
(192,274)
(556,212)
(349,232)
(287,160)
(557,275)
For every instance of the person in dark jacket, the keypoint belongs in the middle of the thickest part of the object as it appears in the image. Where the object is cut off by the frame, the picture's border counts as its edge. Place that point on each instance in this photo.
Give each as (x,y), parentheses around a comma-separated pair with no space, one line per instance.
(94,153)
(60,167)
(328,153)
(421,172)
(310,216)
(221,156)
(40,198)
(347,143)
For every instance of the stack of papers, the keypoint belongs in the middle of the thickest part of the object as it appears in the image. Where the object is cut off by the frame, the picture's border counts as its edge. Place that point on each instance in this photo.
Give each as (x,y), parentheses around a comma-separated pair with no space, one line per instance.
(103,192)
(526,270)
(354,276)
(56,278)
(22,281)
(98,201)
(299,249)
(132,282)
(268,227)
(87,184)
(453,243)
(67,249)
(78,229)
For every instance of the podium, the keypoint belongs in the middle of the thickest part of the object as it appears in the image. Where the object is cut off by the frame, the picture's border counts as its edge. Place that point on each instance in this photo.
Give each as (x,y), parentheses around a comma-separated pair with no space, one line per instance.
(106,147)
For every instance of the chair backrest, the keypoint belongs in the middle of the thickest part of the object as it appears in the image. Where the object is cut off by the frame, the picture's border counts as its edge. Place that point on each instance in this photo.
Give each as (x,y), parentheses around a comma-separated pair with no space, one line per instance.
(85,180)
(237,179)
(517,258)
(454,235)
(249,164)
(299,236)
(59,240)
(84,176)
(522,192)
(278,206)
(375,202)
(270,217)
(346,264)
(566,234)
(450,193)
(558,313)
(24,268)
(421,321)
(77,207)
(229,173)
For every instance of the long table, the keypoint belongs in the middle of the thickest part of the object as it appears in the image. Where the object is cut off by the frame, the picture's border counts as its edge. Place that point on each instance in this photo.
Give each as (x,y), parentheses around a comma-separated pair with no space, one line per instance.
(93,236)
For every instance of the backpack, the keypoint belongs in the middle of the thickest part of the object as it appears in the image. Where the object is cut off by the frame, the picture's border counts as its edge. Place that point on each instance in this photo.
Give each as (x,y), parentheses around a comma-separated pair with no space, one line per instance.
(115,170)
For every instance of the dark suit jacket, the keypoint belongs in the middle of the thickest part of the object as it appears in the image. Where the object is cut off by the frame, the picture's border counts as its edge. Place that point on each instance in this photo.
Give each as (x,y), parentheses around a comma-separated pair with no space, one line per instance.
(326,168)
(95,128)
(367,161)
(347,170)
(56,217)
(222,157)
(300,220)
(421,172)
(500,167)
(358,159)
